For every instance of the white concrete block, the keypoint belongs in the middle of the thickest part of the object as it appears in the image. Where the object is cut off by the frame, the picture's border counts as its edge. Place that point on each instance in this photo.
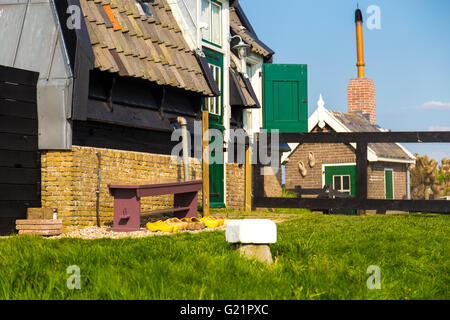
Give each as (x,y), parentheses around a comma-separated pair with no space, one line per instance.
(255,231)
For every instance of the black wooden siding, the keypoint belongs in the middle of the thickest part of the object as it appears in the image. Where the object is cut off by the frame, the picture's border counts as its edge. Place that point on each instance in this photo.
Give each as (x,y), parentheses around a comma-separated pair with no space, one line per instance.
(20,169)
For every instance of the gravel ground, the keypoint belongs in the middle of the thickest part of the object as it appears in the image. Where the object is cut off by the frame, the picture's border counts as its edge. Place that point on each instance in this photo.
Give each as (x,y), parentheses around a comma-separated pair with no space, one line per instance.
(101,233)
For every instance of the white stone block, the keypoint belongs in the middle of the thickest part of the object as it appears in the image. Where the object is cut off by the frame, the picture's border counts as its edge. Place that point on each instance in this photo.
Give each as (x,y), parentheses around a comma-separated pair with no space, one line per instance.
(251,231)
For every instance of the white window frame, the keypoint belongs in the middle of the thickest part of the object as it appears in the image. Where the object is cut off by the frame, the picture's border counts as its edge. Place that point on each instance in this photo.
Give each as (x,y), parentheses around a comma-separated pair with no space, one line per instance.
(342,183)
(210,30)
(216,101)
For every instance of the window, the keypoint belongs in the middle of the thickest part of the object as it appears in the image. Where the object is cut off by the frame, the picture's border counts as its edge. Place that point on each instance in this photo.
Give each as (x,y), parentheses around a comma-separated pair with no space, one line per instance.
(143,7)
(214,104)
(342,184)
(211,22)
(251,69)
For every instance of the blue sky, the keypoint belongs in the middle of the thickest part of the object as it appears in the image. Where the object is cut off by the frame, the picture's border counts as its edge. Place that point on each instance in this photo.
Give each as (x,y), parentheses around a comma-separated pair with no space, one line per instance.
(408,58)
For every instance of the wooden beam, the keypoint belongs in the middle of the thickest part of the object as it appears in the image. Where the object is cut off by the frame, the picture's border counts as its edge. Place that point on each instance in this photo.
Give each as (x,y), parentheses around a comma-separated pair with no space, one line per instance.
(248,180)
(361,172)
(371,137)
(428,206)
(205,163)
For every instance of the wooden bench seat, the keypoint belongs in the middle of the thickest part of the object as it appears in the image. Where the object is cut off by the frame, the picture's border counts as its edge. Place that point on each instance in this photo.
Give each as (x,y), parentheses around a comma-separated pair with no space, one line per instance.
(127,206)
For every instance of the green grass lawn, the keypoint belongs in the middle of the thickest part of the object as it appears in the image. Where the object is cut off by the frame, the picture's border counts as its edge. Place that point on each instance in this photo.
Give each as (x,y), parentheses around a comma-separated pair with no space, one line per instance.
(316,257)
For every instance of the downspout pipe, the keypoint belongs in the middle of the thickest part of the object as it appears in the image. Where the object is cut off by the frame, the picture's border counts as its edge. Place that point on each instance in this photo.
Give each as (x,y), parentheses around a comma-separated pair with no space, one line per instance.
(408,182)
(99,158)
(183,123)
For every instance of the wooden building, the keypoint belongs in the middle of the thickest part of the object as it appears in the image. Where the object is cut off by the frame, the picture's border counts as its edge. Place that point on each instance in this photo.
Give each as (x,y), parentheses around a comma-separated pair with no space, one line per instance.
(111,77)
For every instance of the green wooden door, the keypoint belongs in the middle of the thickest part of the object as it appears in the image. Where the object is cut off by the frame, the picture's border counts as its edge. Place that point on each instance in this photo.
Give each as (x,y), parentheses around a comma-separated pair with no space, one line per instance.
(285,96)
(343,179)
(389,184)
(216,181)
(215,109)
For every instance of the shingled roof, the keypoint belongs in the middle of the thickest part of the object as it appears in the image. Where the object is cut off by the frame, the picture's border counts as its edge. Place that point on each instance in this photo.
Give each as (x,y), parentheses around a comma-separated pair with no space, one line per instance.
(240,25)
(129,42)
(357,122)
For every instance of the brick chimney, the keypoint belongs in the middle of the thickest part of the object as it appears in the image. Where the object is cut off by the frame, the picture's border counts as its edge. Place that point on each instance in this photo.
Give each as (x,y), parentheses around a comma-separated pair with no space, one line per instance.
(361,97)
(361,90)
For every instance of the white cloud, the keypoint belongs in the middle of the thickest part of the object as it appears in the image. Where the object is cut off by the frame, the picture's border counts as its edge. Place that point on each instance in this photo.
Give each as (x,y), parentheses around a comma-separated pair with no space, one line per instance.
(438,128)
(436,105)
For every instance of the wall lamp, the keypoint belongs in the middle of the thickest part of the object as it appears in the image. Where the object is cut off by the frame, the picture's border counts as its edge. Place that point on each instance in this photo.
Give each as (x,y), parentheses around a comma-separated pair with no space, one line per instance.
(241,47)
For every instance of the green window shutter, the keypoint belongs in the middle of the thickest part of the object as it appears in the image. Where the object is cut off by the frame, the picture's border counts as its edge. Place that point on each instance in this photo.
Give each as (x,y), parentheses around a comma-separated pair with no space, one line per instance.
(215,59)
(389,184)
(285,97)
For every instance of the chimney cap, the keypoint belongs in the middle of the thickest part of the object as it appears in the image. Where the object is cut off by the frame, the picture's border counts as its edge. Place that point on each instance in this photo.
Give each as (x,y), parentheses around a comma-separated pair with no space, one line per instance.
(358,16)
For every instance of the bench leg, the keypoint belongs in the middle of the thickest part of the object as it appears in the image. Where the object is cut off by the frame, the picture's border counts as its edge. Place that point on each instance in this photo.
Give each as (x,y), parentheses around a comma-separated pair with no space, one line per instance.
(127,208)
(186,200)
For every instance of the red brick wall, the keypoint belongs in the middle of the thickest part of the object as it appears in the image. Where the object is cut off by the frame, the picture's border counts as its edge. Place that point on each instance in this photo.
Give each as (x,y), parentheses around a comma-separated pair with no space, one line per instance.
(361,97)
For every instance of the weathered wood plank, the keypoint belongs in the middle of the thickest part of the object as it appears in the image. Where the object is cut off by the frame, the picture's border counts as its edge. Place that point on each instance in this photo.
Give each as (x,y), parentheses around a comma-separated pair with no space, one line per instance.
(19,159)
(18,125)
(19,175)
(371,137)
(48,222)
(20,76)
(39,213)
(7,226)
(18,92)
(430,206)
(41,232)
(14,192)
(20,109)
(16,209)
(18,142)
(361,170)
(38,227)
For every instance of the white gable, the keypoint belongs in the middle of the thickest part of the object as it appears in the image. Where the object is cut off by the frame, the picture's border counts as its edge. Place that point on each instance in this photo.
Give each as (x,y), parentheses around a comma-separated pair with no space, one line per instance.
(321,117)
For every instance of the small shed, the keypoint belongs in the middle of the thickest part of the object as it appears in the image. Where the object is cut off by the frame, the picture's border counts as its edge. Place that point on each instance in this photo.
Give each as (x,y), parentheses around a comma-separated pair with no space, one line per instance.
(335,163)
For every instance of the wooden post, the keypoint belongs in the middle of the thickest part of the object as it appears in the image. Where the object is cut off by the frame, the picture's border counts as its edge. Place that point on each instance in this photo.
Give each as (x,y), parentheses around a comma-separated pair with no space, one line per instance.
(361,173)
(205,163)
(248,180)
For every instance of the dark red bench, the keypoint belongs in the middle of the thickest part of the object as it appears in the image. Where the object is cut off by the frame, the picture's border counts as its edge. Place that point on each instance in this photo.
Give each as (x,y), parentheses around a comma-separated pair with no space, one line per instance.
(127,202)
